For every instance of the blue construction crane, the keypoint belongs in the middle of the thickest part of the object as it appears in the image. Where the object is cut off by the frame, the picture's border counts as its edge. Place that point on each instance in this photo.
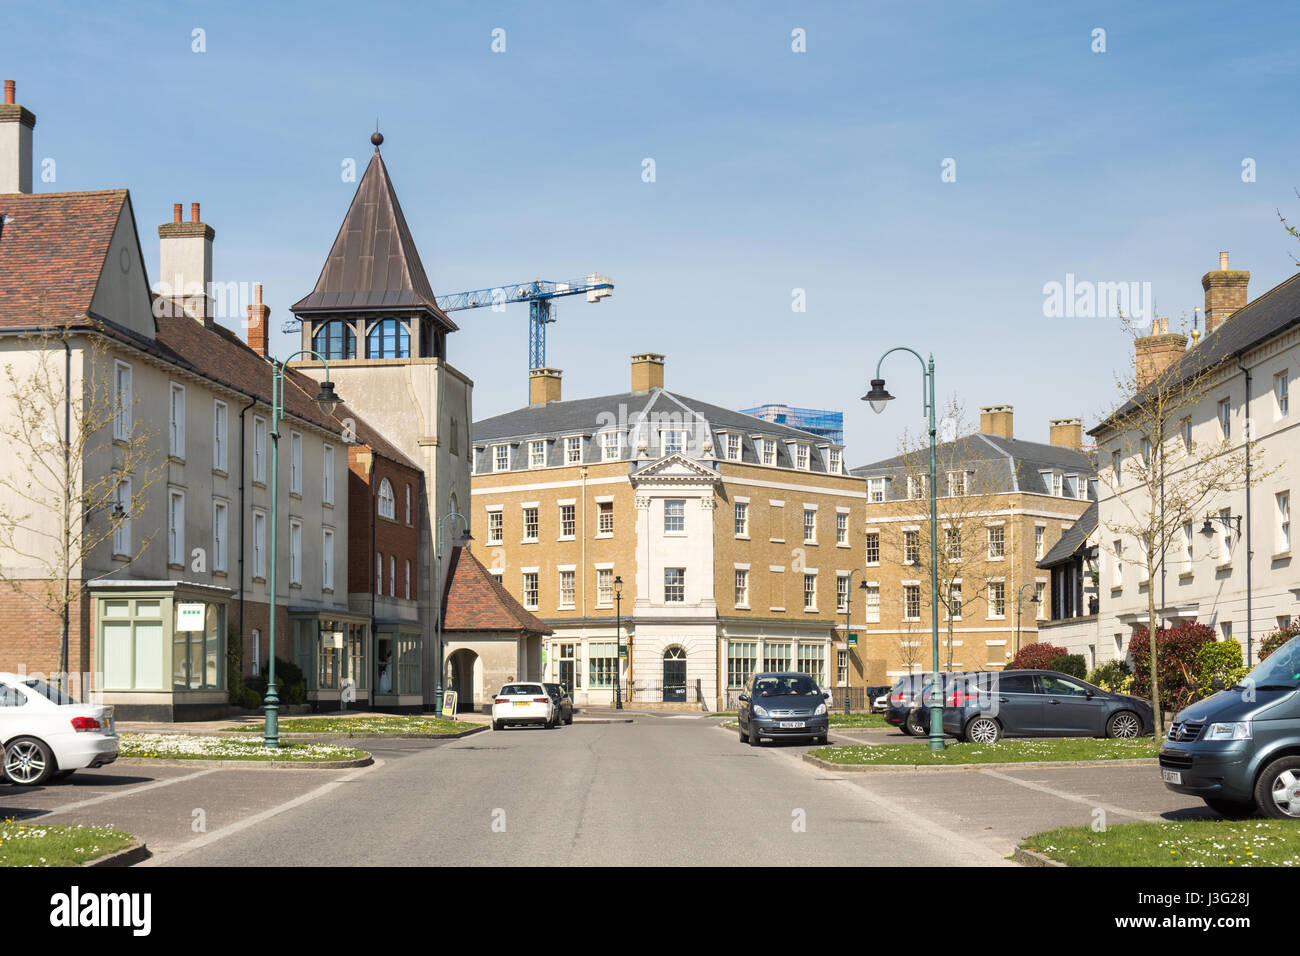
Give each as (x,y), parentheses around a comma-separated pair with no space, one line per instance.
(540,296)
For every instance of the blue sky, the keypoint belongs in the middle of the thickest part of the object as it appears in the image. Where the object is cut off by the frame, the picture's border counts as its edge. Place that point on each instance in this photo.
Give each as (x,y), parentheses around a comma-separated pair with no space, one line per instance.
(775,171)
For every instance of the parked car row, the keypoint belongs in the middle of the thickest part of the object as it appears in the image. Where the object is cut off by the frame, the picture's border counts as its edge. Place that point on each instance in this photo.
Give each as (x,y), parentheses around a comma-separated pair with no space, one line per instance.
(47,735)
(525,702)
(985,706)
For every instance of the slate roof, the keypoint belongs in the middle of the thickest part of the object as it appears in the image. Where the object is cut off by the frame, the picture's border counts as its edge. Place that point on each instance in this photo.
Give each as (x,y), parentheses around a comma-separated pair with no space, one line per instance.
(1005,464)
(373,264)
(1072,539)
(52,250)
(1257,321)
(473,600)
(655,409)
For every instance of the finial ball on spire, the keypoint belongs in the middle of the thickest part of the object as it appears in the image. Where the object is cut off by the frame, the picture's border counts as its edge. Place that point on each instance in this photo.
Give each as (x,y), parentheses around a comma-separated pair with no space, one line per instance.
(377,137)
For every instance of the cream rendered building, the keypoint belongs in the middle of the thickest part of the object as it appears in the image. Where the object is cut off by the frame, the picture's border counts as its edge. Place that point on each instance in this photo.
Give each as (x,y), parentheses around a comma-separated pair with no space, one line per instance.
(732,538)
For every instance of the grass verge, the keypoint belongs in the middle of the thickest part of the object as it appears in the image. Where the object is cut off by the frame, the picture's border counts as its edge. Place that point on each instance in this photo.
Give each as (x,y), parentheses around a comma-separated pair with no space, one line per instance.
(194,747)
(1004,751)
(1186,843)
(372,724)
(28,845)
(857,720)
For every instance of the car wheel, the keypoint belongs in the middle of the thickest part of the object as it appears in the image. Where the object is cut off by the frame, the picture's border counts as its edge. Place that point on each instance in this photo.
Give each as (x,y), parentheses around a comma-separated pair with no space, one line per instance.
(744,737)
(983,730)
(497,725)
(1277,792)
(915,725)
(569,719)
(28,761)
(754,739)
(823,739)
(1231,809)
(1125,725)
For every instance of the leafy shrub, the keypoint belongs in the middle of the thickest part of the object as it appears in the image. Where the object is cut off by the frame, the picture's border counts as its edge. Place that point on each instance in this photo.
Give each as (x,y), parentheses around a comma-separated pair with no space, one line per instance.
(1277,638)
(1114,676)
(1178,666)
(289,683)
(1036,657)
(1072,664)
(1220,661)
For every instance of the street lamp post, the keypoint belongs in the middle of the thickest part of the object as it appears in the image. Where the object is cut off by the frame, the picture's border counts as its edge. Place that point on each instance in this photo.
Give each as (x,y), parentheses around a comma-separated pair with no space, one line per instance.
(437,619)
(877,398)
(326,401)
(618,640)
(848,648)
(1020,596)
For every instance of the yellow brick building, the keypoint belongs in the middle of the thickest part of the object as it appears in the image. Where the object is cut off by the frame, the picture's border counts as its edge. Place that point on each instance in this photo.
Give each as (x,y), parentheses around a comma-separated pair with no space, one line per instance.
(732,538)
(1003,503)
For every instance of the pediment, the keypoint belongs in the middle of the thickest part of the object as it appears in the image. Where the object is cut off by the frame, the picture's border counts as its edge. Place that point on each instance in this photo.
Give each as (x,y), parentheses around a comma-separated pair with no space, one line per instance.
(675,468)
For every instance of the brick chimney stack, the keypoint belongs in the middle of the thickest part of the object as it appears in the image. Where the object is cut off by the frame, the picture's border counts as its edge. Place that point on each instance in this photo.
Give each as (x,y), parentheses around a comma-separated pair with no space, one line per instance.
(1157,351)
(1067,433)
(998,420)
(1225,293)
(647,371)
(16,125)
(543,385)
(258,314)
(185,264)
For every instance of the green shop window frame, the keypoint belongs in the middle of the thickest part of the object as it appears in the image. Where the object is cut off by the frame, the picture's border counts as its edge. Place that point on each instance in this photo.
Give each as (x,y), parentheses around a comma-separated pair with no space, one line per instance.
(133,646)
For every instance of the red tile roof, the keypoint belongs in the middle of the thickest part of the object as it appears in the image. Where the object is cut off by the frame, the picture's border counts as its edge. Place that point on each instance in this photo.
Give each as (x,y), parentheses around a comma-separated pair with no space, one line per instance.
(52,249)
(474,601)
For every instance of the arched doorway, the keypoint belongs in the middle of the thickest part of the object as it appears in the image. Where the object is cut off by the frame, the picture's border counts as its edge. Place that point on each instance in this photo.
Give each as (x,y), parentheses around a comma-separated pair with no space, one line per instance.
(675,674)
(465,677)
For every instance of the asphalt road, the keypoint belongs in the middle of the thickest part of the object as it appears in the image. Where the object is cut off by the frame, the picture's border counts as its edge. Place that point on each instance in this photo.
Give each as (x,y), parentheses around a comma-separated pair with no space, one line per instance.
(664,790)
(661,791)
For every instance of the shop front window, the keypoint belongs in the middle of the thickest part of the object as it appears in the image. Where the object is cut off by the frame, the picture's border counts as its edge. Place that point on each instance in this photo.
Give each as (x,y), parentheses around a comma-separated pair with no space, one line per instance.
(197,656)
(131,633)
(408,664)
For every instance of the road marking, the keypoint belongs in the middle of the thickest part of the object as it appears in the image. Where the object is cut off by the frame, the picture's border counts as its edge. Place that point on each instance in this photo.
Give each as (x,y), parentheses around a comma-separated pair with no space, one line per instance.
(907,816)
(1074,798)
(167,856)
(124,793)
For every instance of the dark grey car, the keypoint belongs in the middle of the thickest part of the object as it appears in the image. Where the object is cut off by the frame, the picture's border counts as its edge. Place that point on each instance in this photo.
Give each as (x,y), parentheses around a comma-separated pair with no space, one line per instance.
(1239,750)
(1032,703)
(785,704)
(563,702)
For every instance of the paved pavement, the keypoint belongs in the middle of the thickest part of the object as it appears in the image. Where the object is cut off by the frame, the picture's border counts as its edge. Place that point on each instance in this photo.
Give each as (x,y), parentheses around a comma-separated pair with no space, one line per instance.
(667,789)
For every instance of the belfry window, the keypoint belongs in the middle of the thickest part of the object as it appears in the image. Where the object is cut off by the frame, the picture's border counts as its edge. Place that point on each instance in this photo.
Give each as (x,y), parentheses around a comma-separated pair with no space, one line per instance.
(335,340)
(388,338)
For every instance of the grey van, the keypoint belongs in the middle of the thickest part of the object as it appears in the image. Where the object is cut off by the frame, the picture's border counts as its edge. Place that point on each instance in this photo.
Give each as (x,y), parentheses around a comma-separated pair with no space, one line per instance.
(1239,750)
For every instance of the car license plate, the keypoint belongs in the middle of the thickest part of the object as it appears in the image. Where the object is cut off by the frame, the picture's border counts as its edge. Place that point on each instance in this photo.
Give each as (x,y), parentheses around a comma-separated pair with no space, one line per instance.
(1173,776)
(791,724)
(522,703)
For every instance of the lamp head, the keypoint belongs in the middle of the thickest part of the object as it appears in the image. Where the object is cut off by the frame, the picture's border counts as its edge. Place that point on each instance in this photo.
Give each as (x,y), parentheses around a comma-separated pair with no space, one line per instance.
(326,400)
(1207,529)
(877,397)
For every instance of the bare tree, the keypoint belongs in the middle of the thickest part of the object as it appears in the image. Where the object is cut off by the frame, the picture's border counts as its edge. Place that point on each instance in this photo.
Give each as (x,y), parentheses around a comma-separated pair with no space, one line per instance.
(75,453)
(1160,480)
(966,498)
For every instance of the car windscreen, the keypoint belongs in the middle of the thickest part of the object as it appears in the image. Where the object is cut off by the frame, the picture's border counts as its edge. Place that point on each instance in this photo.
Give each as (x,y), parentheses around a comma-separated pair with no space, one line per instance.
(795,686)
(521,690)
(1280,670)
(53,693)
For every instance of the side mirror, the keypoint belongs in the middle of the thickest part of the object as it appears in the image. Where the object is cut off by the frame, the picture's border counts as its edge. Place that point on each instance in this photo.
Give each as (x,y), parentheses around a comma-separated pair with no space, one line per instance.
(1091,694)
(744,698)
(826,695)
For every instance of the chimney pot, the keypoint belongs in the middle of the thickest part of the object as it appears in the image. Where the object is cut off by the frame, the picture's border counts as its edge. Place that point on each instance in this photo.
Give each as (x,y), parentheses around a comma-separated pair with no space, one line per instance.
(1225,293)
(258,324)
(1223,260)
(176,212)
(194,212)
(9,92)
(257,293)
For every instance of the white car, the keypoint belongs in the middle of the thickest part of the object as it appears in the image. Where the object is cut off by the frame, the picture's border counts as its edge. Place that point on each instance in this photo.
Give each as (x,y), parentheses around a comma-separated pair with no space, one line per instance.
(523,703)
(47,734)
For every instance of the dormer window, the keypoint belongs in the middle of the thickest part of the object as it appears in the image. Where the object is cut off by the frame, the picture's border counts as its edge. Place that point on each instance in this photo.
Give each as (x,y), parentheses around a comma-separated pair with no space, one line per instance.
(573,450)
(536,454)
(610,443)
(834,465)
(801,457)
(733,448)
(673,442)
(501,458)
(768,447)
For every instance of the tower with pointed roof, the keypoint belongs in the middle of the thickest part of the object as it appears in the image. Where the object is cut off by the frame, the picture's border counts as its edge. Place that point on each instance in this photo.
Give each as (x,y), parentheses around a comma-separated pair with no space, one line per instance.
(373,317)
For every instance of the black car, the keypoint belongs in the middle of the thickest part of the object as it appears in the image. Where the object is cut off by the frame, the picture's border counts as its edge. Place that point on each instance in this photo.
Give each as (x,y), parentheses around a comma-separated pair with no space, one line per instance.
(1031,703)
(874,693)
(785,704)
(563,702)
